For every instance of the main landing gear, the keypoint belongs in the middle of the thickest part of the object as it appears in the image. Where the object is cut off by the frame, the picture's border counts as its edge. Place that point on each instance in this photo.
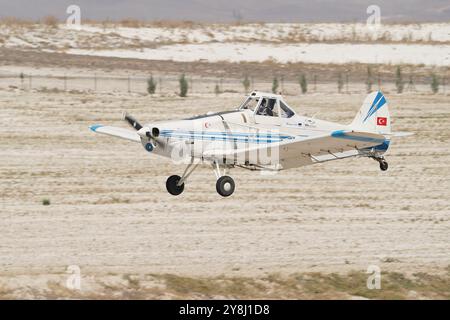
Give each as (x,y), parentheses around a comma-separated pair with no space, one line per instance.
(175,184)
(224,186)
(383,163)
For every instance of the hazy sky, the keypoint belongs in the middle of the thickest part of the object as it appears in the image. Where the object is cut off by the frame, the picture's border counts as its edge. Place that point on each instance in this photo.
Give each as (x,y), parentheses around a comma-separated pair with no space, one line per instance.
(229,10)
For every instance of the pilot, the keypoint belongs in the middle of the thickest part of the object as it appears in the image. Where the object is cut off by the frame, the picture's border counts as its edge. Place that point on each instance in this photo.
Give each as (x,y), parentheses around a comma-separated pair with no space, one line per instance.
(265,110)
(269,110)
(263,105)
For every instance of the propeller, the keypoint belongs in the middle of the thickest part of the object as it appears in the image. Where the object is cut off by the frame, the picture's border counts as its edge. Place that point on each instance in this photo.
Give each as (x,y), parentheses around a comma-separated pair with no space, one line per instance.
(132,121)
(142,131)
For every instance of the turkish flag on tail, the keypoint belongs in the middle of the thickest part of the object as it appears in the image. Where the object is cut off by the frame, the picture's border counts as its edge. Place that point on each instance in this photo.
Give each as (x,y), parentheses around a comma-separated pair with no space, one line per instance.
(381,121)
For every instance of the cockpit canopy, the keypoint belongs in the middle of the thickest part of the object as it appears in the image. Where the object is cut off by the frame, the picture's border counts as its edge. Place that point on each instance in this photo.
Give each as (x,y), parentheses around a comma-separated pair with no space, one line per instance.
(266,104)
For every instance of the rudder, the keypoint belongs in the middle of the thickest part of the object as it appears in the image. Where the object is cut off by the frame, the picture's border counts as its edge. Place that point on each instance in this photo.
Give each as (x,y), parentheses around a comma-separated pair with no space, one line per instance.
(373,116)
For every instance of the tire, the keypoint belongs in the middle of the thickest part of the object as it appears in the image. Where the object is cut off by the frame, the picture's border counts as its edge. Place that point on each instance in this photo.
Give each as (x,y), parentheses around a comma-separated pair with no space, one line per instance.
(383,165)
(171,185)
(225,186)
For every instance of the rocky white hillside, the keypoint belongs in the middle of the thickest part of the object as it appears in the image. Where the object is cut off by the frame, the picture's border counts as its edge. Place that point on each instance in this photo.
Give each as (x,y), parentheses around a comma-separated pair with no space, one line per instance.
(427,44)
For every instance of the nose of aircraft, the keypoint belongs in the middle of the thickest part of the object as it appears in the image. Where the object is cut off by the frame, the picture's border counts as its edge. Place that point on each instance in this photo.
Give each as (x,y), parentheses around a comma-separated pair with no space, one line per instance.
(146,132)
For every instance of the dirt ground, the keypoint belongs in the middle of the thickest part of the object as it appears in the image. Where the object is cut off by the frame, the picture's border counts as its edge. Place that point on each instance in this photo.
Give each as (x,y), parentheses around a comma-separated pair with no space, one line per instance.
(110,214)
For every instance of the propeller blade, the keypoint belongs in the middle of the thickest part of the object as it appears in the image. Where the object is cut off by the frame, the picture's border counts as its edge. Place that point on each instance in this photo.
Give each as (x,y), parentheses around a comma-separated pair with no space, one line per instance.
(132,121)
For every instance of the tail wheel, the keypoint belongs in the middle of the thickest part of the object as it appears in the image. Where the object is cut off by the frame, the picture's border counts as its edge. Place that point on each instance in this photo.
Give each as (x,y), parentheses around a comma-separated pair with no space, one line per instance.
(225,186)
(172,187)
(383,165)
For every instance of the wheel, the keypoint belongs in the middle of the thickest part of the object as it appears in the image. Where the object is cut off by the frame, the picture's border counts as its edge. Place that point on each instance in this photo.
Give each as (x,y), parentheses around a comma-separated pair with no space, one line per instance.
(171,185)
(383,165)
(225,186)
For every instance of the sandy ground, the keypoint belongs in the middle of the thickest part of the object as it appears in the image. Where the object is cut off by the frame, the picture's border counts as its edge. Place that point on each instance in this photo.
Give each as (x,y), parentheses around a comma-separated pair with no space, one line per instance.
(111,215)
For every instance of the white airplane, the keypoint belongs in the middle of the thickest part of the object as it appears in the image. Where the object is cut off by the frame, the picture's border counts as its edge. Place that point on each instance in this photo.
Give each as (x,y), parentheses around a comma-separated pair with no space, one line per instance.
(263,133)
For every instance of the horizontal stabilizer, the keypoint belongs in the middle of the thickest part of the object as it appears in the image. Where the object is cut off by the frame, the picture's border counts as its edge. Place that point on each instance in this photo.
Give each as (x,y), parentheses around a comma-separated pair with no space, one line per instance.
(116,132)
(400,134)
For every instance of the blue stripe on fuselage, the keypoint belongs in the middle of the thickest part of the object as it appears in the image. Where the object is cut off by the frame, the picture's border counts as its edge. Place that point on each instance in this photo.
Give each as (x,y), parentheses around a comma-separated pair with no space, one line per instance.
(225,136)
(345,135)
(220,138)
(222,133)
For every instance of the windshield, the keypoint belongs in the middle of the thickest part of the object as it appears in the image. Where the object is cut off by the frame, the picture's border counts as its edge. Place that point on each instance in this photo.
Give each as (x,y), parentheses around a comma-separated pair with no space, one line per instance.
(286,112)
(250,104)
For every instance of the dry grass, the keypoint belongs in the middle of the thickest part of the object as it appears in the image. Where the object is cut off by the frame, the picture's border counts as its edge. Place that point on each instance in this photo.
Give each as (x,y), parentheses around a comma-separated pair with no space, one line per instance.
(13,21)
(131,23)
(50,21)
(315,285)
(309,286)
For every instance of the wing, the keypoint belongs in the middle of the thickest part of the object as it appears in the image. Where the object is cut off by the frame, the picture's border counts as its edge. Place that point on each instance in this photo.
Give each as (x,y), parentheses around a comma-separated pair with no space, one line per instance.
(300,151)
(116,132)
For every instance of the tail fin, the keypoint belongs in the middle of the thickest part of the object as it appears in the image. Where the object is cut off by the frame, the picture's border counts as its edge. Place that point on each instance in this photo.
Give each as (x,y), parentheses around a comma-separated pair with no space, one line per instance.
(373,115)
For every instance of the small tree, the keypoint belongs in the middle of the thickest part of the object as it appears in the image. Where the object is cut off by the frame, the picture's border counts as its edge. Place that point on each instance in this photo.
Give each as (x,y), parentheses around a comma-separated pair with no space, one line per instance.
(369,81)
(303,83)
(151,85)
(217,89)
(399,80)
(340,82)
(183,86)
(434,83)
(275,85)
(246,84)
(411,86)
(22,78)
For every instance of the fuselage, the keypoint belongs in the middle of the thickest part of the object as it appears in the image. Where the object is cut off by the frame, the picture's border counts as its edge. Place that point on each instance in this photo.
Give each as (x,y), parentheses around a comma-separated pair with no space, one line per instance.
(237,129)
(262,120)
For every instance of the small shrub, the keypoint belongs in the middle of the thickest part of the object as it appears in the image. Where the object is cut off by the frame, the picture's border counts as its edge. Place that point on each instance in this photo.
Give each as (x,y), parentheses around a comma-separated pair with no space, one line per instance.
(45,202)
(246,83)
(399,84)
(303,83)
(434,83)
(50,21)
(217,90)
(151,85)
(183,86)
(275,85)
(340,82)
(369,81)
(130,23)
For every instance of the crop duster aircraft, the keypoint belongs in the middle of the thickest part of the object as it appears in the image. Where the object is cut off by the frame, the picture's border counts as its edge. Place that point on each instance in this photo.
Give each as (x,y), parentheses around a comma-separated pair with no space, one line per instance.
(263,133)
